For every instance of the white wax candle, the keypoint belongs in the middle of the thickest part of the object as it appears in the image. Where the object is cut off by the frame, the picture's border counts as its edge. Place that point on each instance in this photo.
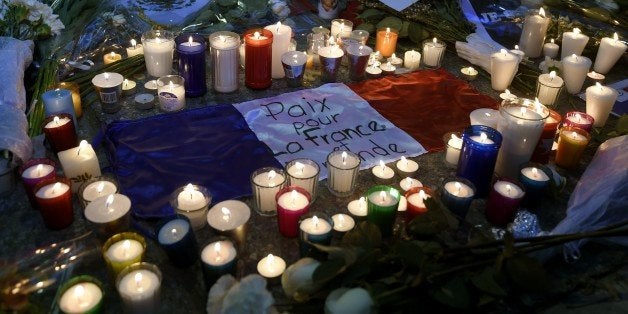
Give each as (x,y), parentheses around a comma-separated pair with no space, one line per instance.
(504,66)
(469,71)
(107,209)
(97,189)
(454,145)
(271,266)
(139,286)
(551,49)
(409,183)
(80,298)
(484,116)
(124,250)
(382,198)
(549,86)
(573,43)
(432,52)
(52,190)
(412,60)
(281,42)
(533,33)
(418,199)
(342,222)
(37,171)
(507,95)
(575,69)
(535,174)
(268,184)
(388,67)
(519,53)
(158,54)
(459,189)
(57,122)
(611,49)
(292,200)
(218,253)
(228,215)
(191,198)
(111,57)
(302,170)
(107,80)
(173,231)
(508,189)
(341,28)
(330,52)
(394,60)
(134,49)
(151,85)
(600,100)
(79,164)
(358,207)
(382,171)
(373,69)
(403,204)
(315,226)
(171,96)
(596,76)
(343,168)
(407,165)
(128,86)
(482,139)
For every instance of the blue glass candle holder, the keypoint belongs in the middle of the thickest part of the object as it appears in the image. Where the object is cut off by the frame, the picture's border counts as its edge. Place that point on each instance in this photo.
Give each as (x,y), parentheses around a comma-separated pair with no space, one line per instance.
(191,51)
(457,195)
(478,156)
(535,179)
(59,101)
(176,237)
(314,227)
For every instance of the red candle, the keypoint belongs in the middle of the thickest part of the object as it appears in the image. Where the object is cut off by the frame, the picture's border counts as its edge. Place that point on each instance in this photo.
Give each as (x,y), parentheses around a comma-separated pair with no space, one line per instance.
(415,198)
(292,203)
(579,120)
(54,198)
(60,132)
(503,202)
(258,58)
(35,171)
(544,147)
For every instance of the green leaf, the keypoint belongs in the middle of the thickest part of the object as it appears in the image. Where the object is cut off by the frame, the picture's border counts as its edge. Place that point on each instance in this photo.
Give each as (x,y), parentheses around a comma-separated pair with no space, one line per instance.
(622,125)
(365,235)
(454,293)
(371,15)
(328,270)
(526,273)
(227,3)
(390,21)
(367,27)
(410,253)
(403,32)
(485,281)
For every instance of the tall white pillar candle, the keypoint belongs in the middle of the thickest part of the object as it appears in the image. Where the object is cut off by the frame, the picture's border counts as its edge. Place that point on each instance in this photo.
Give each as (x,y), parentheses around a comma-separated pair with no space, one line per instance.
(79,164)
(611,49)
(600,101)
(281,44)
(533,33)
(225,57)
(504,66)
(575,69)
(573,43)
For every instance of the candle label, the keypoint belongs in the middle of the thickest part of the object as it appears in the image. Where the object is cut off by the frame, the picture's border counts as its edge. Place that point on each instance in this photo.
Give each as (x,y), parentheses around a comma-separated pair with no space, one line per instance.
(169,100)
(81,178)
(109,98)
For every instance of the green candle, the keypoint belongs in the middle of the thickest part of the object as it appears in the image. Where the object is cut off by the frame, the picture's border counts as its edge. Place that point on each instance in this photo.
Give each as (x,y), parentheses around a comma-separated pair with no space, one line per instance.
(383,201)
(81,294)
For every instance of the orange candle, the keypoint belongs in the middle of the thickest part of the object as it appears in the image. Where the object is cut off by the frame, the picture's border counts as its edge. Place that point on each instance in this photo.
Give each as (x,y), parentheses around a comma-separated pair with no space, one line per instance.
(111,57)
(386,41)
(571,143)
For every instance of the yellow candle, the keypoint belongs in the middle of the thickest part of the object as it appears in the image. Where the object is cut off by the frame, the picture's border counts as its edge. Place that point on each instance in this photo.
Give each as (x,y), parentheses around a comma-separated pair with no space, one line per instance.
(111,57)
(571,144)
(386,41)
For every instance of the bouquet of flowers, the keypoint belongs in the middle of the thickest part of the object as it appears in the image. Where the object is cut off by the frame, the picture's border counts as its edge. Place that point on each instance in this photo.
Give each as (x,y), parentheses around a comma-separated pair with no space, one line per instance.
(28,19)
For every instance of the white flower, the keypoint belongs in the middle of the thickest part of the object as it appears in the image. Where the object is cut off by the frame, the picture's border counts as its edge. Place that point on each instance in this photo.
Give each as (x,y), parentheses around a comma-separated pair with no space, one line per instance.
(247,296)
(297,280)
(348,301)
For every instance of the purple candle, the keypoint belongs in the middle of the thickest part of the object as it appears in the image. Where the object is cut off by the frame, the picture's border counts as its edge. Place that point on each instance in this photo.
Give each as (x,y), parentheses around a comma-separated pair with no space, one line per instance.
(503,202)
(35,171)
(579,120)
(191,51)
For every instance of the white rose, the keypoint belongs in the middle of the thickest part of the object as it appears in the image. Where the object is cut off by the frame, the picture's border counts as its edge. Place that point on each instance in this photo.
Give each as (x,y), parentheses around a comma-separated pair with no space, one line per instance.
(297,280)
(349,301)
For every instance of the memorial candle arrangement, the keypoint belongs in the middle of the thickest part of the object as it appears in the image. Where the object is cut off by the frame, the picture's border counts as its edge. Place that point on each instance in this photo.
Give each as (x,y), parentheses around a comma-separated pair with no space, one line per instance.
(193,202)
(171,91)
(504,66)
(416,201)
(230,218)
(535,178)
(550,49)
(109,87)
(382,202)
(575,69)
(139,286)
(271,267)
(314,228)
(433,53)
(611,49)
(266,182)
(109,214)
(533,32)
(134,49)
(386,41)
(330,58)
(81,294)
(571,144)
(280,45)
(79,164)
(219,258)
(343,170)
(503,202)
(293,63)
(548,87)
(358,56)
(191,56)
(60,132)
(122,250)
(54,200)
(58,101)
(457,195)
(573,43)
(480,146)
(600,100)
(258,58)
(579,120)
(292,203)
(33,172)
(176,237)
(97,187)
(304,173)
(158,52)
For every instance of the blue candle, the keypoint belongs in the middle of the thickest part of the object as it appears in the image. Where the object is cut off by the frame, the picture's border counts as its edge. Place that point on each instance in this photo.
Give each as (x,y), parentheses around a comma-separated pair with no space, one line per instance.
(219,258)
(191,51)
(457,194)
(59,101)
(176,237)
(480,145)
(314,228)
(535,179)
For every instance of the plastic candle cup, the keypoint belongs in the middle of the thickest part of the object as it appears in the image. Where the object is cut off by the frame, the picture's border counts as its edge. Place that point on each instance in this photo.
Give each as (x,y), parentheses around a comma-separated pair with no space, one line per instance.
(504,66)
(544,147)
(330,58)
(58,101)
(573,43)
(600,100)
(97,187)
(81,294)
(408,183)
(535,179)
(382,203)
(304,173)
(122,250)
(433,53)
(358,209)
(315,227)
(412,60)
(579,120)
(128,87)
(342,223)
(480,145)
(109,214)
(176,237)
(343,168)
(171,91)
(271,267)
(360,35)
(503,202)
(293,63)
(191,52)
(457,195)
(266,182)
(533,32)
(192,201)
(60,132)
(416,197)
(139,286)
(54,200)
(35,171)
(611,49)
(453,140)
(550,49)
(548,87)
(292,203)
(358,56)
(406,167)
(382,173)
(74,88)
(109,87)
(219,258)
(575,69)
(258,58)
(571,144)
(230,218)
(225,59)
(158,48)
(79,164)
(521,126)
(111,57)
(469,73)
(386,41)
(135,49)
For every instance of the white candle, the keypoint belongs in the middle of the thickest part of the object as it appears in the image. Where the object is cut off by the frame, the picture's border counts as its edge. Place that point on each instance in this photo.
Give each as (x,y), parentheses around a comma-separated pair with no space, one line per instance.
(267,184)
(134,49)
(128,86)
(508,189)
(388,68)
(596,76)
(374,69)
(403,204)
(57,122)
(469,72)
(412,60)
(218,253)
(611,49)
(382,198)
(173,231)
(107,209)
(79,164)
(271,266)
(193,203)
(139,290)
(573,43)
(394,60)
(459,189)
(482,139)
(504,66)
(407,165)
(382,171)
(484,116)
(37,171)
(507,95)
(294,200)
(409,183)
(575,69)
(454,145)
(97,189)
(342,171)
(600,100)
(433,52)
(151,85)
(342,222)
(533,32)
(281,42)
(171,94)
(358,207)
(341,28)
(418,199)
(158,54)
(519,53)
(330,52)
(548,88)
(315,226)
(80,298)
(124,250)
(550,49)
(304,174)
(535,174)
(52,190)
(228,215)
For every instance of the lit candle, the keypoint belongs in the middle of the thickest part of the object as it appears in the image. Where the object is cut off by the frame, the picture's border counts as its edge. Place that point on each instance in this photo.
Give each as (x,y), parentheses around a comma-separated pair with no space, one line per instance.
(387,68)
(341,28)
(33,172)
(412,60)
(406,167)
(111,57)
(416,202)
(219,258)
(382,172)
(54,200)
(360,35)
(358,208)
(548,88)
(507,95)
(408,183)
(151,85)
(382,207)
(478,156)
(191,63)
(134,49)
(292,203)
(343,169)
(396,61)
(266,183)
(535,178)
(304,173)
(128,87)
(330,58)
(258,58)
(281,41)
(192,201)
(57,102)
(503,202)
(454,145)
(571,144)
(575,69)
(321,30)
(110,214)
(293,63)
(550,49)
(373,70)
(579,120)
(60,132)
(171,91)
(81,294)
(533,32)
(122,250)
(433,52)
(225,59)
(358,60)
(158,48)
(533,173)
(457,195)
(176,237)
(484,116)
(109,87)
(342,222)
(271,266)
(230,218)
(386,41)
(504,66)
(316,229)
(611,49)
(482,138)
(469,73)
(573,43)
(600,100)
(97,187)
(79,164)
(139,287)
(520,54)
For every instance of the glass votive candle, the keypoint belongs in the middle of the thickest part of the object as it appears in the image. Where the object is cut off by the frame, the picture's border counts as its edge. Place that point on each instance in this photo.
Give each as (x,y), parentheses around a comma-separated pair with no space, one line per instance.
(503,202)
(453,140)
(304,173)
(193,201)
(548,88)
(314,228)
(219,258)
(572,142)
(158,48)
(342,167)
(109,87)
(386,41)
(358,56)
(258,58)
(230,218)
(60,132)
(266,182)
(176,237)
(579,120)
(360,35)
(382,204)
(382,173)
(341,28)
(225,54)
(109,214)
(171,92)
(191,58)
(139,286)
(54,200)
(97,187)
(457,195)
(122,250)
(292,203)
(330,58)
(416,201)
(81,294)
(535,179)
(480,146)
(34,171)
(433,53)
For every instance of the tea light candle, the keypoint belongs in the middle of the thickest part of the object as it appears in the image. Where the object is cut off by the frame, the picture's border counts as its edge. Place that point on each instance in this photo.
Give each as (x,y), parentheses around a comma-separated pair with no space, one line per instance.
(382,207)
(266,183)
(571,144)
(341,28)
(548,88)
(412,60)
(54,200)
(271,266)
(171,91)
(535,178)
(139,287)
(342,222)
(507,95)
(111,57)
(258,58)
(387,68)
(134,49)
(158,48)
(373,70)
(575,70)
(122,250)
(503,202)
(358,208)
(407,167)
(579,120)
(128,87)
(611,49)
(409,183)
(550,49)
(533,32)
(358,56)
(219,258)
(573,43)
(382,172)
(281,41)
(386,41)
(110,214)
(292,203)
(433,52)
(60,132)
(454,145)
(225,56)
(33,172)
(144,101)
(151,85)
(469,73)
(176,237)
(304,173)
(457,195)
(504,66)
(600,100)
(597,77)
(79,164)
(81,294)
(192,201)
(396,61)
(343,169)
(230,218)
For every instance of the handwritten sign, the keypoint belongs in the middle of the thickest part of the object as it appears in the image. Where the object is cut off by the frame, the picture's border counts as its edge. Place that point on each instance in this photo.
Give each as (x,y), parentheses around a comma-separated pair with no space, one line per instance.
(311,123)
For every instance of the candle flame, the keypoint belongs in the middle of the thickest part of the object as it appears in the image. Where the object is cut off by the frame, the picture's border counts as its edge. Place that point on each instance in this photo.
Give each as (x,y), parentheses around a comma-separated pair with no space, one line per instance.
(109,201)
(578,117)
(516,47)
(524,110)
(552,40)
(133,43)
(112,54)
(217,250)
(56,186)
(487,114)
(483,137)
(106,75)
(409,181)
(157,40)
(434,40)
(382,195)
(331,41)
(173,231)
(271,175)
(190,40)
(79,292)
(344,158)
(82,145)
(573,55)
(189,188)
(508,188)
(315,221)
(552,75)
(470,69)
(382,165)
(422,195)
(171,85)
(507,91)
(535,172)
(387,31)
(270,261)
(226,213)
(138,281)
(126,82)
(615,36)
(100,187)
(126,245)
(278,26)
(542,12)
(256,35)
(293,196)
(38,169)
(503,51)
(574,135)
(458,187)
(393,56)
(361,47)
(56,120)
(576,31)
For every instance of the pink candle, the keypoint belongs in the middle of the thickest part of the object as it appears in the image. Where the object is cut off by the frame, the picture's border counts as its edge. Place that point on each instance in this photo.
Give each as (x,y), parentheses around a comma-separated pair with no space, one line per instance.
(35,171)
(579,120)
(292,203)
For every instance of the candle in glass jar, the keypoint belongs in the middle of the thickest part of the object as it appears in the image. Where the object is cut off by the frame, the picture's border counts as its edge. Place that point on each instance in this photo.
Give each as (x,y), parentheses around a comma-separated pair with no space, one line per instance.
(123,253)
(503,202)
(573,43)
(192,201)
(433,52)
(111,57)
(386,41)
(343,169)
(341,28)
(219,258)
(292,203)
(96,188)
(548,88)
(454,145)
(415,198)
(35,171)
(266,182)
(176,237)
(139,287)
(258,58)
(134,49)
(579,120)
(535,174)
(191,63)
(271,266)
(230,218)
(57,102)
(382,205)
(611,49)
(572,142)
(158,48)
(109,87)
(304,173)
(600,100)
(76,95)
(358,60)
(81,294)
(550,49)
(478,156)
(281,41)
(54,200)
(457,195)
(520,54)
(79,164)
(412,60)
(60,132)
(330,58)
(575,69)
(171,91)
(504,66)
(225,56)
(360,35)
(533,32)
(110,214)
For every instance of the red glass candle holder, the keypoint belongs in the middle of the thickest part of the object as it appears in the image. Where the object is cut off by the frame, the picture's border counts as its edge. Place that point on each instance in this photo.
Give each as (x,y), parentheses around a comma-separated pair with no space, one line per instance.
(55,202)
(61,134)
(290,208)
(502,202)
(579,120)
(31,176)
(415,209)
(258,58)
